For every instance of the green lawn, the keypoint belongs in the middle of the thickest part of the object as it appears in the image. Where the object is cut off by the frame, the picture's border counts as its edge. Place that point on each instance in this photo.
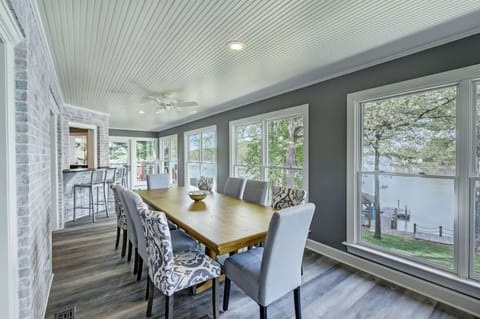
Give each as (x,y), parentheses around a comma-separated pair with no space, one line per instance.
(436,253)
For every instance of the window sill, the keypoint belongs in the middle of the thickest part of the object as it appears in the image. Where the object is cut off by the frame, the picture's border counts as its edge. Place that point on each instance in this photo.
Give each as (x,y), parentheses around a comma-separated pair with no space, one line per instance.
(442,278)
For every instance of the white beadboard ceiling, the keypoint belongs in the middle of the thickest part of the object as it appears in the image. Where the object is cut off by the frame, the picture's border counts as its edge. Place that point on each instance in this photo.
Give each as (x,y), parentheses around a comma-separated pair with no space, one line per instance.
(110,54)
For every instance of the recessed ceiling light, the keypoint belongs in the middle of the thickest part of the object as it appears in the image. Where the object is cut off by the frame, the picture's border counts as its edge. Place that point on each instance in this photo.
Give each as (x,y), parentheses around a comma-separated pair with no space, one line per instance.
(236,46)
(141,112)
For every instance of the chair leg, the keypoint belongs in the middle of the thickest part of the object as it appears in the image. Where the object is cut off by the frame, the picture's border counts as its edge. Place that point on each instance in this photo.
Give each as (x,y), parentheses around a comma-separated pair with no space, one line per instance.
(129,255)
(140,268)
(135,262)
(168,307)
(263,312)
(151,292)
(215,287)
(93,205)
(74,203)
(226,294)
(148,288)
(124,243)
(105,203)
(117,241)
(298,306)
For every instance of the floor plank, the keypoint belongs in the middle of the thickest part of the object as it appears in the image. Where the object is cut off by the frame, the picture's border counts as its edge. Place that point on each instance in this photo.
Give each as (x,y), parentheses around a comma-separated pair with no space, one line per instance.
(90,274)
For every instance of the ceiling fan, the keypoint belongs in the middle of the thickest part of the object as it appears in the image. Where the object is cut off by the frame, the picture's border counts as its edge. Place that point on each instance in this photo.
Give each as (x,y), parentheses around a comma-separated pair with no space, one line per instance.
(166,102)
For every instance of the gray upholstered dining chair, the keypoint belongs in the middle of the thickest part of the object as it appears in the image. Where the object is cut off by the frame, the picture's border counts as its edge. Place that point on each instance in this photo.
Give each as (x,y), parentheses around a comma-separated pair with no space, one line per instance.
(120,211)
(266,274)
(138,210)
(255,191)
(158,181)
(234,187)
(171,271)
(131,231)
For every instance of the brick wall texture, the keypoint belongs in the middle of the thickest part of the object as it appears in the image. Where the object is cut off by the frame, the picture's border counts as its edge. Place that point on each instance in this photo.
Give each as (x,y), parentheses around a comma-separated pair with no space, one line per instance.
(36,89)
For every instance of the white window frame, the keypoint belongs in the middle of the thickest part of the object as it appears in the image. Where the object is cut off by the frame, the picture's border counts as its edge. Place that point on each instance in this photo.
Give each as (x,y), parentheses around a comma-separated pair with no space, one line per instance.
(170,161)
(300,110)
(132,156)
(461,278)
(200,162)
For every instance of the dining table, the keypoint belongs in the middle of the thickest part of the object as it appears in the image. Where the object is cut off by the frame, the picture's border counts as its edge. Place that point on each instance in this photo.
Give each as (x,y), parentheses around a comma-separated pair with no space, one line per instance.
(223,224)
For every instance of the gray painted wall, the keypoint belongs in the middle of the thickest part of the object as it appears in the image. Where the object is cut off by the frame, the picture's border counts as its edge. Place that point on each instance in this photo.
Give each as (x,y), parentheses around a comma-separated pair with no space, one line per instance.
(128,133)
(327,100)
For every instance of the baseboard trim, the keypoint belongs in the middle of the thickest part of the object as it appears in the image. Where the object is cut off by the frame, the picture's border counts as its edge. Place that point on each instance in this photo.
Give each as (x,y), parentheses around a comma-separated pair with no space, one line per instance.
(423,287)
(48,296)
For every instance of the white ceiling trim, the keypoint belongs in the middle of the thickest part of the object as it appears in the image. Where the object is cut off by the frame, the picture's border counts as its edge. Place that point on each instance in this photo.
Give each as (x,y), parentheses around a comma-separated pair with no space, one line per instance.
(86,109)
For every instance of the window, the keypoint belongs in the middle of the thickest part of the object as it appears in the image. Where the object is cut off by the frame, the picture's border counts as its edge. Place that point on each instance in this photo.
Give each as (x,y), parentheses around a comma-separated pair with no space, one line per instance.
(410,177)
(146,160)
(169,157)
(271,147)
(200,154)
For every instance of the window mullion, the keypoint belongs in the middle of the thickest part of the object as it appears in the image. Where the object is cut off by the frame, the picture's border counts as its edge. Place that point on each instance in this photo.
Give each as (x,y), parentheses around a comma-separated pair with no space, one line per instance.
(264,150)
(464,155)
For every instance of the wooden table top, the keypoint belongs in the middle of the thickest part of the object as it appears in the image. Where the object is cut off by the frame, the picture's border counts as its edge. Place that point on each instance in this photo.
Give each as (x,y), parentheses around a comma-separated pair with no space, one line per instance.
(223,224)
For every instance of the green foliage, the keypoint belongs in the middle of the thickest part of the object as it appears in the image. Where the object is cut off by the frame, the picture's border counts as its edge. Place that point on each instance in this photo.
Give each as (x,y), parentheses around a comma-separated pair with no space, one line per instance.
(118,152)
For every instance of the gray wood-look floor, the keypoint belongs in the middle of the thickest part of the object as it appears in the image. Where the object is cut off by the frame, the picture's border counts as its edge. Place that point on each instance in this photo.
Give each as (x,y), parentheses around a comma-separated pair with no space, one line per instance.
(90,274)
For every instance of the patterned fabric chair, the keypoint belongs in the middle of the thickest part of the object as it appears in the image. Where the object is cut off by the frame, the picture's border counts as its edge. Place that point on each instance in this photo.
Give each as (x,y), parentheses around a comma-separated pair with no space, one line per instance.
(170,272)
(283,197)
(121,219)
(267,274)
(205,183)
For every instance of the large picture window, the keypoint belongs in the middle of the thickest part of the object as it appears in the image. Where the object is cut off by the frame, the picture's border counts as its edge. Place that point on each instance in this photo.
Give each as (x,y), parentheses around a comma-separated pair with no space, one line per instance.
(410,176)
(200,154)
(272,147)
(169,157)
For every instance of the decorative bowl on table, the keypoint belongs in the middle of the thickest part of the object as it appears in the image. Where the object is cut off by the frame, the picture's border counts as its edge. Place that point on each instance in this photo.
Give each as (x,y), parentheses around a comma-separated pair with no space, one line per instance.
(197,195)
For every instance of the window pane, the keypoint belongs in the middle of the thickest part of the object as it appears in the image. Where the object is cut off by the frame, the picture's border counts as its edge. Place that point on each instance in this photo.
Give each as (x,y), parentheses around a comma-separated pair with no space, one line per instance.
(193,174)
(412,133)
(194,148)
(292,178)
(285,142)
(166,149)
(209,146)
(174,173)
(416,216)
(173,148)
(118,153)
(250,172)
(146,159)
(249,144)
(209,170)
(78,150)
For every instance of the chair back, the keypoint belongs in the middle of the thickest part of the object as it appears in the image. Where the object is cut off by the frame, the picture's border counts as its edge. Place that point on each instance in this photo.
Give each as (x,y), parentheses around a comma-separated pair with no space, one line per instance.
(284,197)
(132,234)
(283,253)
(255,191)
(110,175)
(133,200)
(234,187)
(98,176)
(160,253)
(119,209)
(158,181)
(119,172)
(205,183)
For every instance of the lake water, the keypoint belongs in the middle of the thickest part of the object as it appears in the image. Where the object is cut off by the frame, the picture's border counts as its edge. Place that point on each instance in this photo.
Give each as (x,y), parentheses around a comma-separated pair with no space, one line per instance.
(430,201)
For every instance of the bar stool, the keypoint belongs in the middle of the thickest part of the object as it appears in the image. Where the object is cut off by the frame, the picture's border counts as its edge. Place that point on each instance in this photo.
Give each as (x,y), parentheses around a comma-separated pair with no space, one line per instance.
(97,181)
(110,178)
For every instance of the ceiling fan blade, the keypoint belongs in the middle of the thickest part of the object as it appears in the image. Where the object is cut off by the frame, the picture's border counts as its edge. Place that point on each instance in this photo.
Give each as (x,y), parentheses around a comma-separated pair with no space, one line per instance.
(186,104)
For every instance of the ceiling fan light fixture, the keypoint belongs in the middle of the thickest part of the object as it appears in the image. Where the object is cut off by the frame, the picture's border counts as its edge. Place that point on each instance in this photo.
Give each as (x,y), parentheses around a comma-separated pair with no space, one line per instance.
(236,46)
(141,112)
